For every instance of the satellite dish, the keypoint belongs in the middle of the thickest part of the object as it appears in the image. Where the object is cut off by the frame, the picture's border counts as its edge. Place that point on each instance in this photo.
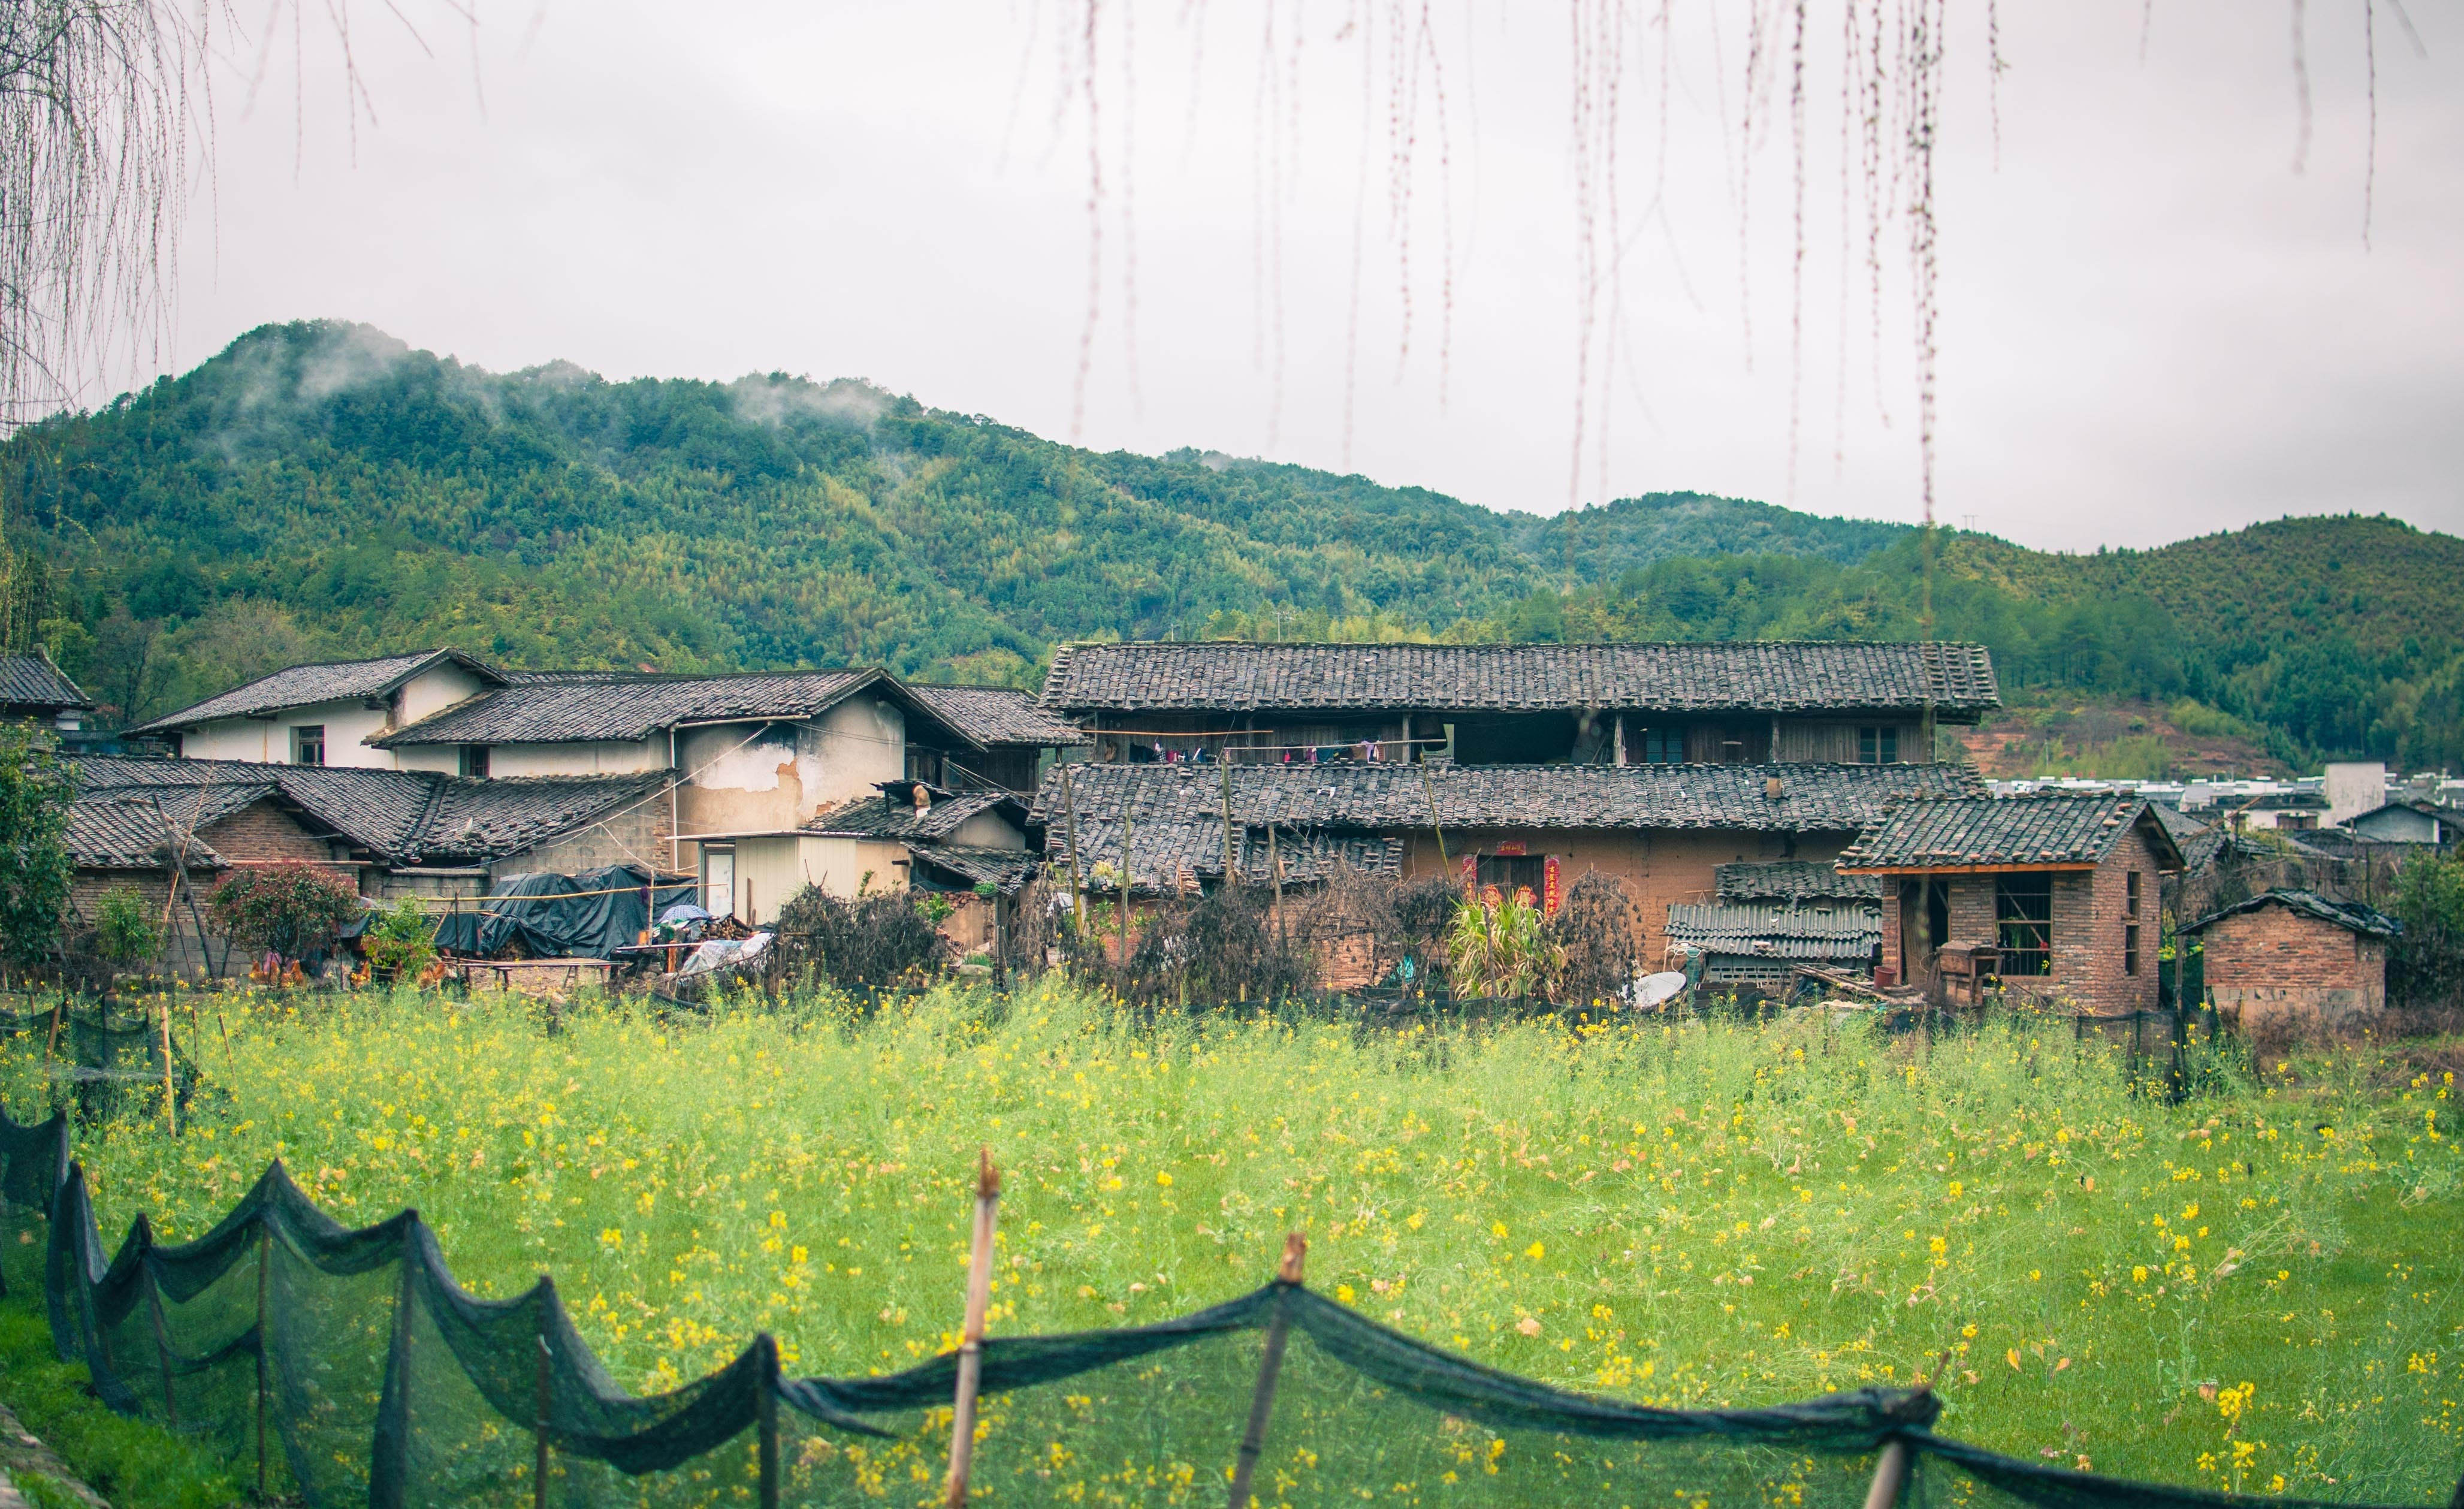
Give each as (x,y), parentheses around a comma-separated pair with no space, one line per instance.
(1655,991)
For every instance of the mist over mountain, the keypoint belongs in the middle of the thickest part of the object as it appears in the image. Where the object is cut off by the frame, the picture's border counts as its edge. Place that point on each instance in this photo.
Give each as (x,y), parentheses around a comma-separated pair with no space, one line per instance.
(323,488)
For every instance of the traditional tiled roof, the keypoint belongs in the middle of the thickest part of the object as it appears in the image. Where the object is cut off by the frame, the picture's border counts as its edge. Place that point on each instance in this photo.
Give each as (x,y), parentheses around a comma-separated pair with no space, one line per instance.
(2051,831)
(305,685)
(1399,798)
(31,681)
(1006,869)
(587,706)
(892,818)
(127,830)
(1776,931)
(1955,679)
(994,715)
(2351,915)
(1169,852)
(481,820)
(2203,840)
(1792,880)
(403,817)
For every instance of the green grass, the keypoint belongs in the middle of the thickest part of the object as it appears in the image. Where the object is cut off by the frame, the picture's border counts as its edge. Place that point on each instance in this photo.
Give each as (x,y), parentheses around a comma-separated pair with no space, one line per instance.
(1692,1213)
(132,1463)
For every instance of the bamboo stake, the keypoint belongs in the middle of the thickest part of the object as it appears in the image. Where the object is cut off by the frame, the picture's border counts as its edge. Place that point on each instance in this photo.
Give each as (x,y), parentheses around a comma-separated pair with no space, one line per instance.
(1128,827)
(170,1093)
(1270,1366)
(1077,890)
(1890,1475)
(971,1346)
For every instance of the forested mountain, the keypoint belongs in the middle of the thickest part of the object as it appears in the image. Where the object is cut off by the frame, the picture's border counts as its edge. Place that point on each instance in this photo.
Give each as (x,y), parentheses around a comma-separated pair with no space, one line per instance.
(322,489)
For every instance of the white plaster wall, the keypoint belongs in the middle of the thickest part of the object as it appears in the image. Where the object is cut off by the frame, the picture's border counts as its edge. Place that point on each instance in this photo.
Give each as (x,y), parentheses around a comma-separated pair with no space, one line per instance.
(607,757)
(862,742)
(776,869)
(443,759)
(268,742)
(432,690)
(988,831)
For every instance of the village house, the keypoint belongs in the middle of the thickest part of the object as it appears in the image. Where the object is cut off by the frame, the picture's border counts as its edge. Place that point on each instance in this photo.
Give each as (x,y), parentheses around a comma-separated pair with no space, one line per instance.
(2407,822)
(911,836)
(33,689)
(2057,896)
(328,713)
(2292,958)
(1741,704)
(1662,830)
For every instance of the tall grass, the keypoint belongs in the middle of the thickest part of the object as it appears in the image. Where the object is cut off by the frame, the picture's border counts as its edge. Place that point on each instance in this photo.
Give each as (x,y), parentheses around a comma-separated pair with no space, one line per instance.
(1677,1213)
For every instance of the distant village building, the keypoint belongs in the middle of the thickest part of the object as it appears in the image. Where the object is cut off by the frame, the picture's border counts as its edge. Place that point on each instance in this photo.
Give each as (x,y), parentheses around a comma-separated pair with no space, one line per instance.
(2063,891)
(2295,958)
(33,689)
(2407,822)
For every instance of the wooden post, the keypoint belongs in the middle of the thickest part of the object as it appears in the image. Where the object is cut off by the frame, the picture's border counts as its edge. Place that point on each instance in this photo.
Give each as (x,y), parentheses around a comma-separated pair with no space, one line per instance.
(765,1416)
(59,1008)
(546,1387)
(1077,890)
(971,1346)
(1429,788)
(264,1276)
(1231,865)
(1890,1475)
(1270,1366)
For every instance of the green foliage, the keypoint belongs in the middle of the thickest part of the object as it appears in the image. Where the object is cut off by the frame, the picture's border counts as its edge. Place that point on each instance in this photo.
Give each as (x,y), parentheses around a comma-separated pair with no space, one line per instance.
(401,941)
(1501,947)
(2201,721)
(135,1464)
(291,910)
(322,489)
(36,790)
(126,932)
(2430,895)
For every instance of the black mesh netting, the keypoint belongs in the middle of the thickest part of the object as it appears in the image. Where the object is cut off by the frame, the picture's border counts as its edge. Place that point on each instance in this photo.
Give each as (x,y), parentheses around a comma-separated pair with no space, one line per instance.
(347,1367)
(103,1061)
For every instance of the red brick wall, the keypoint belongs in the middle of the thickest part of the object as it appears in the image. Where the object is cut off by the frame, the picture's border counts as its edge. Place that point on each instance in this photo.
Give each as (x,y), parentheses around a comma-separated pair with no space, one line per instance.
(263,830)
(2275,964)
(2091,914)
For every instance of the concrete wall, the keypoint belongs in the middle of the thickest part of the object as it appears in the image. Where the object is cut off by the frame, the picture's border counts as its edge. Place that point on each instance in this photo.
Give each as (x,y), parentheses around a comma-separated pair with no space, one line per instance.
(2354,787)
(2273,966)
(268,741)
(773,870)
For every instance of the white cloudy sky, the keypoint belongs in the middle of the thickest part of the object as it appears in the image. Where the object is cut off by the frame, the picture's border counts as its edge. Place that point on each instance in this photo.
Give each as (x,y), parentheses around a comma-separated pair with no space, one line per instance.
(2151,325)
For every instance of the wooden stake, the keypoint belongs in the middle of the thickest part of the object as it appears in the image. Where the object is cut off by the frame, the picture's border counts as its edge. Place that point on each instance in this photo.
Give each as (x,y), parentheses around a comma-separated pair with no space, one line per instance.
(1890,1475)
(1077,890)
(1270,1366)
(1128,829)
(170,1098)
(59,1008)
(971,1346)
(1275,870)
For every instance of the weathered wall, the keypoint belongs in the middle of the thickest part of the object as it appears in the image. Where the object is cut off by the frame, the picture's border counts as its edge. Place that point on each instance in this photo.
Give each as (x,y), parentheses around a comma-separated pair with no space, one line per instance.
(2274,965)
(1659,867)
(637,835)
(778,778)
(432,691)
(603,756)
(1810,738)
(770,871)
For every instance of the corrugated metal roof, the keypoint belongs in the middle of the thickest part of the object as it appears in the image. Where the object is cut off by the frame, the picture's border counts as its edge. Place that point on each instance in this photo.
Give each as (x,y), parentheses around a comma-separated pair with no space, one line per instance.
(1954,680)
(1776,931)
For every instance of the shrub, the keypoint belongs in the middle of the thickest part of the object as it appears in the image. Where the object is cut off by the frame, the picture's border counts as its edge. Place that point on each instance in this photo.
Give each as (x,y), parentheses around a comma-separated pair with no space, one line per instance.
(401,941)
(1502,946)
(2426,967)
(1595,930)
(878,941)
(36,790)
(291,910)
(125,928)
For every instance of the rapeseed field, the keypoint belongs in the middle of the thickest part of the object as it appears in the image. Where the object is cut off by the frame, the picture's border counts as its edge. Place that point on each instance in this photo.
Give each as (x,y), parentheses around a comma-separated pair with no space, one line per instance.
(2259,1287)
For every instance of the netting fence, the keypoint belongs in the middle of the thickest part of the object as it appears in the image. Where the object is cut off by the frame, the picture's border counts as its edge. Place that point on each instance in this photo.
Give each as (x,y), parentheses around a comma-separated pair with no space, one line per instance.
(338,1367)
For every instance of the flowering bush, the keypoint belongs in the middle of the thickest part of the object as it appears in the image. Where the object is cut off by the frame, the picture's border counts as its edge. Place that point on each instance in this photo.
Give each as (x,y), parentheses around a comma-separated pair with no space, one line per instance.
(291,910)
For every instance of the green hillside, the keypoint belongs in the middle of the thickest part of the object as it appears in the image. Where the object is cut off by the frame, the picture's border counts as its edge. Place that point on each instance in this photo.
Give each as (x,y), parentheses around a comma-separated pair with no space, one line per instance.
(322,489)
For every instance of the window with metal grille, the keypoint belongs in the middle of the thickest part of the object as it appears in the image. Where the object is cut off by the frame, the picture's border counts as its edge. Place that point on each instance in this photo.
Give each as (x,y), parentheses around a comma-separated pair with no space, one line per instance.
(308,744)
(1879,745)
(2023,923)
(474,761)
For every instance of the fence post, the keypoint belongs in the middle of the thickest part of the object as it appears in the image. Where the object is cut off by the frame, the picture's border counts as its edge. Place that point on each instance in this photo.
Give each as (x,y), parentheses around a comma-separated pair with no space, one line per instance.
(971,1346)
(765,1415)
(1890,1475)
(546,1391)
(1270,1366)
(264,1275)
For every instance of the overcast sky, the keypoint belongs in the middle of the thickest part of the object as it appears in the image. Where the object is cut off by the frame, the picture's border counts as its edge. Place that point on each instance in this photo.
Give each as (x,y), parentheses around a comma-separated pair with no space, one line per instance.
(2151,326)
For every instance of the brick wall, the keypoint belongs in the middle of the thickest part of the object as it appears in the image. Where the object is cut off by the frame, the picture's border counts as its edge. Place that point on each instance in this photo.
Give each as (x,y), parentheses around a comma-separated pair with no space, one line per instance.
(2276,964)
(260,831)
(2091,918)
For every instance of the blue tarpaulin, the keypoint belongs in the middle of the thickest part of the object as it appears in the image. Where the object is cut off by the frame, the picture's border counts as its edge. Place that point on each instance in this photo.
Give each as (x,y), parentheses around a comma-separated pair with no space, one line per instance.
(589,915)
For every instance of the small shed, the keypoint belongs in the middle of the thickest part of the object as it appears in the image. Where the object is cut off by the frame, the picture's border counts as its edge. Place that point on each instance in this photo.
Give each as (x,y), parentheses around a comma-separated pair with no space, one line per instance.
(2409,823)
(2288,957)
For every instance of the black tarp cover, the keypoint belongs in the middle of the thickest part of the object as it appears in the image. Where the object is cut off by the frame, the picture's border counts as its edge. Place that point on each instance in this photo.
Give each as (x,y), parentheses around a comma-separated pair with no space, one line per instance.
(588,915)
